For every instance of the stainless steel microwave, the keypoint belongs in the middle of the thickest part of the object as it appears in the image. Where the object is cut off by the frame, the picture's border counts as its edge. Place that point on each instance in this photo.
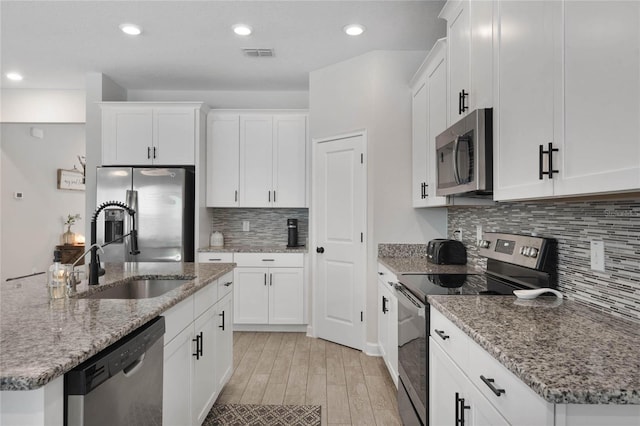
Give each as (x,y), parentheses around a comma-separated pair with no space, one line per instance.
(464,156)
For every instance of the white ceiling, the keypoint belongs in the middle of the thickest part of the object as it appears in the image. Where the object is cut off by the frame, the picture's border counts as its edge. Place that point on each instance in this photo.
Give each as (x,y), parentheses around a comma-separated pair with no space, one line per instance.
(189,45)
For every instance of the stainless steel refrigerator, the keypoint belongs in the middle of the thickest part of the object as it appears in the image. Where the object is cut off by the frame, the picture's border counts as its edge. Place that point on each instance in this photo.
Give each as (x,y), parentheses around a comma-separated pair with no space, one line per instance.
(163,199)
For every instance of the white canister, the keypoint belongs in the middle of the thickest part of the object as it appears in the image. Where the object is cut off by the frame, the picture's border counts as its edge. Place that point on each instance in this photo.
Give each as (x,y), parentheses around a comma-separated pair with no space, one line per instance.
(216,240)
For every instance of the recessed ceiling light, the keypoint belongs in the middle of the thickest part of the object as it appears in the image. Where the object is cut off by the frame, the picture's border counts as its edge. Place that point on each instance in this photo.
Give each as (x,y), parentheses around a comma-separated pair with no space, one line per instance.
(14,76)
(130,29)
(241,29)
(354,29)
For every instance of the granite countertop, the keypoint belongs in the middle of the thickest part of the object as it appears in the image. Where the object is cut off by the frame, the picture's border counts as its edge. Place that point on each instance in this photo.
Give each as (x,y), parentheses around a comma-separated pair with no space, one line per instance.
(254,248)
(419,265)
(565,351)
(41,339)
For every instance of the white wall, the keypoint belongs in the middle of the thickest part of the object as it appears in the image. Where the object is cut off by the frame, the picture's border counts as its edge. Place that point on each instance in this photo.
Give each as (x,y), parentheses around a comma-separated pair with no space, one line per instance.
(33,226)
(372,92)
(42,106)
(258,99)
(99,88)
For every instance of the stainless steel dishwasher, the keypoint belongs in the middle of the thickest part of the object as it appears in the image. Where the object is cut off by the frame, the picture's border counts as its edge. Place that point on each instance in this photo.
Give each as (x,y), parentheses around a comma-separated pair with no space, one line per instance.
(122,385)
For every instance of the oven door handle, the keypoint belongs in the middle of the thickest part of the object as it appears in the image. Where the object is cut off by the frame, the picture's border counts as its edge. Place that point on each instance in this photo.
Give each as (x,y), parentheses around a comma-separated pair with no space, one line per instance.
(409,300)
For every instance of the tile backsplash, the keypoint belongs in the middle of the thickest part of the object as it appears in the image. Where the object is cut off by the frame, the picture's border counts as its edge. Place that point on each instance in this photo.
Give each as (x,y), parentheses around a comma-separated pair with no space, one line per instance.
(574,225)
(267,226)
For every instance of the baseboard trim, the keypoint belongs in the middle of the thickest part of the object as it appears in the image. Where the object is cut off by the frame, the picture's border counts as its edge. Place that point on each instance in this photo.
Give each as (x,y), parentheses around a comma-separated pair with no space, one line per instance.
(372,349)
(291,328)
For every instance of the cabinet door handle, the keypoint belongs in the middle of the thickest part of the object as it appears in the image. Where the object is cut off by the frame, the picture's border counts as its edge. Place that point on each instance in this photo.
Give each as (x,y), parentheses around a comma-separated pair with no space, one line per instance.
(269,196)
(222,326)
(270,279)
(265,279)
(549,152)
(489,382)
(148,153)
(201,344)
(384,305)
(442,334)
(154,152)
(236,197)
(459,103)
(274,195)
(464,95)
(198,341)
(460,407)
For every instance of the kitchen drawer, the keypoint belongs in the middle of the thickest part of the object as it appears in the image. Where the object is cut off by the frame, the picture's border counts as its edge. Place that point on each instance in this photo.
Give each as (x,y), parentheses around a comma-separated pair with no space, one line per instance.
(385,275)
(269,260)
(205,298)
(519,404)
(453,340)
(177,318)
(215,257)
(225,285)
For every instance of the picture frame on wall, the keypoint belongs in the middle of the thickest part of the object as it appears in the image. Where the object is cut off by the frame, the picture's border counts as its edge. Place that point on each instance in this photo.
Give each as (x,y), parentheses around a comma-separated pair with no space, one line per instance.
(71,179)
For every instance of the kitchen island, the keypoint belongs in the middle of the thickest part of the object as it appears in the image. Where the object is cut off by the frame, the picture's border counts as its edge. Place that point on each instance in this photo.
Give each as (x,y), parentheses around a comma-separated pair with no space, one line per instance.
(42,339)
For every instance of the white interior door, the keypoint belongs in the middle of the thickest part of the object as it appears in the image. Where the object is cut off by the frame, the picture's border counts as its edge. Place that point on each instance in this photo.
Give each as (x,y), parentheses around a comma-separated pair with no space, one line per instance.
(340,212)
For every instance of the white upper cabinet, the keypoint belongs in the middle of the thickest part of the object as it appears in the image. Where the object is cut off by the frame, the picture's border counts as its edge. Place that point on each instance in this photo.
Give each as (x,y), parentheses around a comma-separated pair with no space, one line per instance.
(568,78)
(429,109)
(149,134)
(257,159)
(256,163)
(223,160)
(289,160)
(525,97)
(470,55)
(601,146)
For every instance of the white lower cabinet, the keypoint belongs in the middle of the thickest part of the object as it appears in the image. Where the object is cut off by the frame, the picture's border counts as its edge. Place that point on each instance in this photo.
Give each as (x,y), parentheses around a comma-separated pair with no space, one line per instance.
(198,353)
(388,321)
(269,288)
(468,386)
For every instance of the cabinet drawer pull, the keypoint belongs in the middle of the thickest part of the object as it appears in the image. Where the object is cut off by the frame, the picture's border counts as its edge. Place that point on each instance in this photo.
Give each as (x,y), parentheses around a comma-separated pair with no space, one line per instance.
(268,260)
(215,260)
(380,273)
(489,382)
(442,334)
(228,284)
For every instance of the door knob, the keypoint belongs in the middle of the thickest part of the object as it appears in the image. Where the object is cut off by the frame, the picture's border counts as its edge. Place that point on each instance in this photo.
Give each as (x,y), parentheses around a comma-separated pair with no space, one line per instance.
(320,249)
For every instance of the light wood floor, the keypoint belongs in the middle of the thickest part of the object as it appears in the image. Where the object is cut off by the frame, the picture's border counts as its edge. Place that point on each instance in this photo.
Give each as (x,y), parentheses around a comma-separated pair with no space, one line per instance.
(290,368)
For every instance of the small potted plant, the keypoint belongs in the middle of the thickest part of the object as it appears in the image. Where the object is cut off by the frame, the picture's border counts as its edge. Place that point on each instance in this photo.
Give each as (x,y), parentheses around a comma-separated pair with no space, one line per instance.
(69,237)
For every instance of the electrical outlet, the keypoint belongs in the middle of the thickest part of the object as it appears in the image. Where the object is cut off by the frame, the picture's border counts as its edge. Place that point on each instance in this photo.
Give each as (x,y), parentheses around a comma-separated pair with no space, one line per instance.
(597,256)
(245,226)
(457,234)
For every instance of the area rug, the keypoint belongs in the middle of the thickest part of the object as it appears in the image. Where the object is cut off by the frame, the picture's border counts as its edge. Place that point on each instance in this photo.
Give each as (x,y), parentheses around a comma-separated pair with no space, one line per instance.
(263,415)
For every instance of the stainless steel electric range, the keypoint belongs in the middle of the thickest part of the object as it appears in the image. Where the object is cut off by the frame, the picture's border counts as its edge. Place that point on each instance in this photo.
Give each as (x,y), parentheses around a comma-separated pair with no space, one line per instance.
(513,262)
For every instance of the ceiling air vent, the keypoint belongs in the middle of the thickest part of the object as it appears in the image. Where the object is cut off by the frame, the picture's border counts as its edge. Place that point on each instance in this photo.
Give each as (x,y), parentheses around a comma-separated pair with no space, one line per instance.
(256,53)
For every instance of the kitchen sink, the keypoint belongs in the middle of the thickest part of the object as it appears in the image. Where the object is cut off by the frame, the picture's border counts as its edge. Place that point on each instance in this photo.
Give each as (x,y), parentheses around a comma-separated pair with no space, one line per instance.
(138,289)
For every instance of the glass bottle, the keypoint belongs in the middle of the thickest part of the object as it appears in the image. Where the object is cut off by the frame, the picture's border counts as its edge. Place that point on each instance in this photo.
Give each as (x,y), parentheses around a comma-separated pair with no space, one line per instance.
(56,279)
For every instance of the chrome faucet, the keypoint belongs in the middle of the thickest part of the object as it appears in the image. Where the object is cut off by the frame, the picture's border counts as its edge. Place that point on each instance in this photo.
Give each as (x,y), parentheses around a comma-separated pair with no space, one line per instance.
(95,270)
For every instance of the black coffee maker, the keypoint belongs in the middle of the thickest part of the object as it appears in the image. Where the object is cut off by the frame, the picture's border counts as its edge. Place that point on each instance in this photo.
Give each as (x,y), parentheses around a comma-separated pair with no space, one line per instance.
(292,226)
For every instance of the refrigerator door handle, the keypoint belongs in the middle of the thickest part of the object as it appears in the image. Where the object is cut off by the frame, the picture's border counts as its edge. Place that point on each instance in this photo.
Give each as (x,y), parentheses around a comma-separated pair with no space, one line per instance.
(132,201)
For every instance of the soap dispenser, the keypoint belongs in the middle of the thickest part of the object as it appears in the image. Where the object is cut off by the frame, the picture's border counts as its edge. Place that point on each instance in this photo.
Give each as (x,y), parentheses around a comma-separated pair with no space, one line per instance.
(56,277)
